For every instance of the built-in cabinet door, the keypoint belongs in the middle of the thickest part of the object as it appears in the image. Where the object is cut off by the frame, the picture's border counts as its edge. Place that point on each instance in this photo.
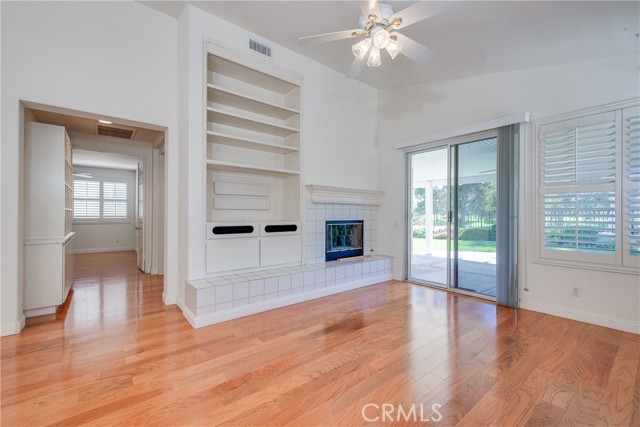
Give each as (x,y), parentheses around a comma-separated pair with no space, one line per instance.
(278,250)
(44,267)
(232,254)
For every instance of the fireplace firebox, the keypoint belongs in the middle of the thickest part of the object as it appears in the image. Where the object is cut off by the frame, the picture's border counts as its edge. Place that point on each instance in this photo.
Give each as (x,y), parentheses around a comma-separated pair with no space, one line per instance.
(344,239)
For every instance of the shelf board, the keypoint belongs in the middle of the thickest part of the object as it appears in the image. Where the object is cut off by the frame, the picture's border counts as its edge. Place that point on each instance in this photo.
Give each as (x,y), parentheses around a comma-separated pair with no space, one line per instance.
(249,123)
(220,65)
(236,141)
(253,169)
(241,101)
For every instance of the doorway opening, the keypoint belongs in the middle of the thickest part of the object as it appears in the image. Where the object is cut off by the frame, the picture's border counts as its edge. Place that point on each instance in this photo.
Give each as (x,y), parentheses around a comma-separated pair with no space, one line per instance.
(116,186)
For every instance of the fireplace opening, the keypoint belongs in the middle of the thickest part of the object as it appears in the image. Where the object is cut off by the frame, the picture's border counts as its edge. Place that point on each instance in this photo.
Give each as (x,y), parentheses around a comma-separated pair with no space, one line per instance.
(344,239)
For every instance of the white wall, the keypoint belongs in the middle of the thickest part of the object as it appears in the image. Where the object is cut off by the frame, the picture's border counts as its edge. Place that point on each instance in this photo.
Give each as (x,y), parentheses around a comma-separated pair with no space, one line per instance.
(105,236)
(608,299)
(338,115)
(114,59)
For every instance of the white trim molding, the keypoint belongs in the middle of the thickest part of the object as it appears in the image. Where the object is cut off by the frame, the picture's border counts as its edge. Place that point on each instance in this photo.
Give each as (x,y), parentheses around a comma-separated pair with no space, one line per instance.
(12,328)
(340,195)
(465,130)
(168,299)
(99,250)
(582,316)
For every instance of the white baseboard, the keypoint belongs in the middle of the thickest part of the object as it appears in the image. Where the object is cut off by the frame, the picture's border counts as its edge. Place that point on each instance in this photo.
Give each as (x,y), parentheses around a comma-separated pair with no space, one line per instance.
(188,314)
(246,310)
(12,328)
(169,299)
(97,250)
(582,316)
(41,311)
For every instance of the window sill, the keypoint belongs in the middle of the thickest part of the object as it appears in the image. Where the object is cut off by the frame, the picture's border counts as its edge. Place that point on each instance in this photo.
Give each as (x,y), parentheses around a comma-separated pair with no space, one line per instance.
(102,222)
(620,269)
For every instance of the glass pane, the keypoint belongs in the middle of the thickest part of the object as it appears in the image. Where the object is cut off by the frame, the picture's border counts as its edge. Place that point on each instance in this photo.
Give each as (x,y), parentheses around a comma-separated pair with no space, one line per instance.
(473,228)
(429,217)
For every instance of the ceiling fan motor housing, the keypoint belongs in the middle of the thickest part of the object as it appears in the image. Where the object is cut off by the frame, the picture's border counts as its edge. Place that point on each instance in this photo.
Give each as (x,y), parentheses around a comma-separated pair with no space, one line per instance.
(386,12)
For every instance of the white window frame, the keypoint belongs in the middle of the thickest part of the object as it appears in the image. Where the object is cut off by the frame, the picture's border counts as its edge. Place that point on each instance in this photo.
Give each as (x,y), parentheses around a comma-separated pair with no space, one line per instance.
(102,220)
(618,262)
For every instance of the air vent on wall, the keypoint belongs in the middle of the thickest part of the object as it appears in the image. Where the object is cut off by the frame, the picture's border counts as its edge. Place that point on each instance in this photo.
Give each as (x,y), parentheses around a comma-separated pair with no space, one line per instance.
(260,48)
(115,132)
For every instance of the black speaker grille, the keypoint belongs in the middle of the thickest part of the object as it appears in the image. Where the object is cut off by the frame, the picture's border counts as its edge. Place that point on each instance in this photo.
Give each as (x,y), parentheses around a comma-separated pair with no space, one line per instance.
(233,229)
(281,228)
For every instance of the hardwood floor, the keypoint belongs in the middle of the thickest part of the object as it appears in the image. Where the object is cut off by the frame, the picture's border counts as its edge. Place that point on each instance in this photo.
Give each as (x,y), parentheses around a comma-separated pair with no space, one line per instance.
(115,355)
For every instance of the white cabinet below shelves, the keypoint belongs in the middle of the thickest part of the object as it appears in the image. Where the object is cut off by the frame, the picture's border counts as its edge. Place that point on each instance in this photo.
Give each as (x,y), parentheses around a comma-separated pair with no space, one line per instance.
(277,250)
(232,254)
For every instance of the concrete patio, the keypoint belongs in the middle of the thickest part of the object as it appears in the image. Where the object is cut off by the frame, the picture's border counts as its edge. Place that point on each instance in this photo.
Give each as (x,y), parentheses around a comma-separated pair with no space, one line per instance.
(476,270)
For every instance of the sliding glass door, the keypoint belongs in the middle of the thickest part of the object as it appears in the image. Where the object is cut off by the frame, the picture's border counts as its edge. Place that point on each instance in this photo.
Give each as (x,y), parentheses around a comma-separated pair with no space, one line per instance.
(453,217)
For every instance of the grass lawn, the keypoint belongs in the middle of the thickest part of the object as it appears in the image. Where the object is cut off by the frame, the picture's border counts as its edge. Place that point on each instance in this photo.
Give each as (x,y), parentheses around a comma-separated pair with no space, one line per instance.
(463,245)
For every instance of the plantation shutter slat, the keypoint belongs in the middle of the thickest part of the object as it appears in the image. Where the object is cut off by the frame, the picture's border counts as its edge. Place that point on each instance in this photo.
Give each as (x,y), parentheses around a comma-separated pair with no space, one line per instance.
(579,193)
(631,196)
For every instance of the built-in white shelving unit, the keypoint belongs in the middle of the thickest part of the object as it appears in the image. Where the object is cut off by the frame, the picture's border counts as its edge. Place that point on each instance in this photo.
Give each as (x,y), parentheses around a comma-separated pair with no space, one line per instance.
(48,272)
(252,152)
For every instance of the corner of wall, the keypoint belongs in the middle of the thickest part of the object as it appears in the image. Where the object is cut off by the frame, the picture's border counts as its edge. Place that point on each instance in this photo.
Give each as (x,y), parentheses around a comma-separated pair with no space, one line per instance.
(13,328)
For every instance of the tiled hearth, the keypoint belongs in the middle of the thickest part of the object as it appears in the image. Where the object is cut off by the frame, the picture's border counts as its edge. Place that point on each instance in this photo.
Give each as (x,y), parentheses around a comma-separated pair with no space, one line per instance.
(226,297)
(318,213)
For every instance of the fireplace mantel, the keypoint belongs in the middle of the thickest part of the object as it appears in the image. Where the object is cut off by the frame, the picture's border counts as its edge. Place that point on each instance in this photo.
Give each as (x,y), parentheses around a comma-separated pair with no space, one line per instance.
(340,195)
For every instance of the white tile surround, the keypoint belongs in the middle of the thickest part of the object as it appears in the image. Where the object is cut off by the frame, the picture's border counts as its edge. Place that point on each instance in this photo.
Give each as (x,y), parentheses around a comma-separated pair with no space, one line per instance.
(217,299)
(318,213)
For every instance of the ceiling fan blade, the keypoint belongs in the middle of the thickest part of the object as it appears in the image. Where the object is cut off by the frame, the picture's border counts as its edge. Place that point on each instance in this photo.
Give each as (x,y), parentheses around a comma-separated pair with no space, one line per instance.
(413,50)
(369,7)
(329,37)
(421,10)
(356,68)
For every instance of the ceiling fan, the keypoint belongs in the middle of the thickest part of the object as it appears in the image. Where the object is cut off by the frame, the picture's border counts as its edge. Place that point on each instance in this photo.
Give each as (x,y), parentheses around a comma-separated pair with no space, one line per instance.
(380,24)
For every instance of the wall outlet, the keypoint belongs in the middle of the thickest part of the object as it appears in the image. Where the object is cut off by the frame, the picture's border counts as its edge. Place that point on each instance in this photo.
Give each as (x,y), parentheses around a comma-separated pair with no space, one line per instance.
(575,292)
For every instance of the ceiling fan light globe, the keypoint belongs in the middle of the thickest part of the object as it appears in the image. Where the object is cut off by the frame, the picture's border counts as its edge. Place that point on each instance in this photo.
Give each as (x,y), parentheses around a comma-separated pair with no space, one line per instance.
(380,37)
(361,48)
(374,58)
(393,48)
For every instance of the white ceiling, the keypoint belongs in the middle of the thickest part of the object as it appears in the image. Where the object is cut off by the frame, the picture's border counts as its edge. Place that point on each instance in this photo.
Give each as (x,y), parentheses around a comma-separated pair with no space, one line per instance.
(104,160)
(475,38)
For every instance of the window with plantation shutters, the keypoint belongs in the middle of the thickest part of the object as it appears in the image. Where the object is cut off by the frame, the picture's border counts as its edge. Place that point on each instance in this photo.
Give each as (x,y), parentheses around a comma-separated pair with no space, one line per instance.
(114,199)
(86,199)
(99,200)
(589,184)
(631,185)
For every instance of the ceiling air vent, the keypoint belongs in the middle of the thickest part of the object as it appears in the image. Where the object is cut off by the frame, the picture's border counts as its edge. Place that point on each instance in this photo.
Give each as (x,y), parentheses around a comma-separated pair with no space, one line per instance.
(260,48)
(115,132)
